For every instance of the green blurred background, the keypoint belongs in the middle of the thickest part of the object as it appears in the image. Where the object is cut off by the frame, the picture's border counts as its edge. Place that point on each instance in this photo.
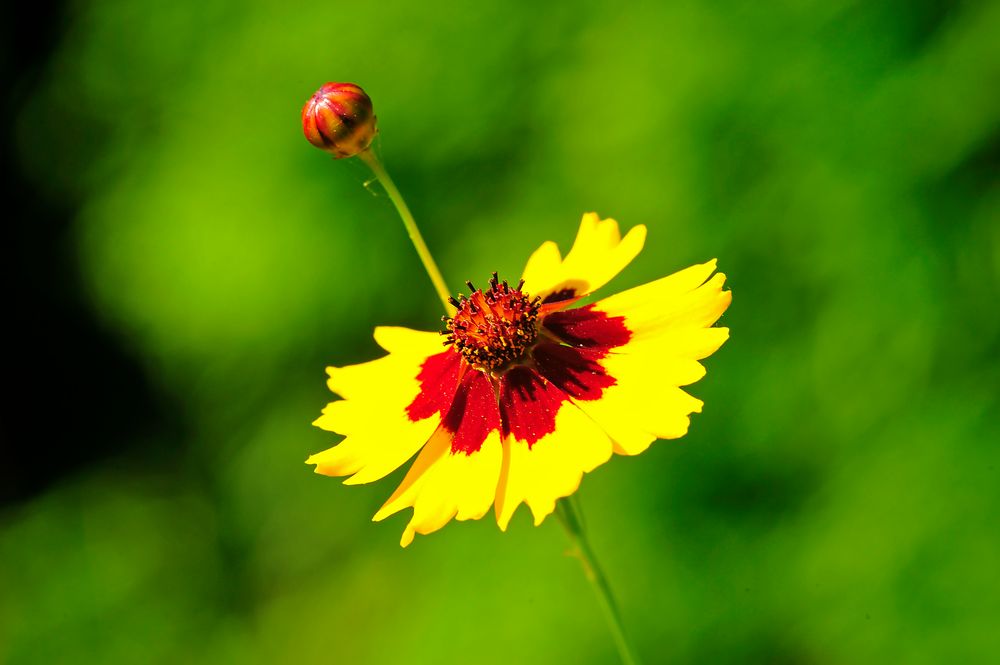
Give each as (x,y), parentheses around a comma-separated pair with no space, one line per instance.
(837,500)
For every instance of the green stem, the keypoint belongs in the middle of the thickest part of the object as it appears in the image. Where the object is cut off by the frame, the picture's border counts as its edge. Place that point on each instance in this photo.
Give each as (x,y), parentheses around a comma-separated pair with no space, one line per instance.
(570,517)
(382,175)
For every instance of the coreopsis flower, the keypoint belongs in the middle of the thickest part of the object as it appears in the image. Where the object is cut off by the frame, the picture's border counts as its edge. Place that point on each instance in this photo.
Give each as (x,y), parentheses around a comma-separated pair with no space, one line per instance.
(528,393)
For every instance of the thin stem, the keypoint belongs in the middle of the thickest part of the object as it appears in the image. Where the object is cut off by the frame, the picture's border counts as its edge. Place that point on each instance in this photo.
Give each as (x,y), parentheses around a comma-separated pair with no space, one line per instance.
(571,519)
(382,175)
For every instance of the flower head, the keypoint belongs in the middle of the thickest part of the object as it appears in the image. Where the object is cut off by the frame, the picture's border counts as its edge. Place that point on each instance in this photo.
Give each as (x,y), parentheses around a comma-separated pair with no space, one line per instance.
(339,118)
(528,393)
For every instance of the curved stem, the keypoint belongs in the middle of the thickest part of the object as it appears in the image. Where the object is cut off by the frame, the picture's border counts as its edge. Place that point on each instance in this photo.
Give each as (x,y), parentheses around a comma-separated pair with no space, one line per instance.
(571,519)
(382,175)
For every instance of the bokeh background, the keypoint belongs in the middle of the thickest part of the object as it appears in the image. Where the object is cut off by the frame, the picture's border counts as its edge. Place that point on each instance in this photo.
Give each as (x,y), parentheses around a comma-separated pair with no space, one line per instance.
(182,266)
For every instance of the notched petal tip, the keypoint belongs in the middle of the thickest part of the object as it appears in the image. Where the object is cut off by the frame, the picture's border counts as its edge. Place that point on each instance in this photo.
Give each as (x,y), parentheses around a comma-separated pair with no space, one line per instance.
(539,513)
(598,254)
(360,478)
(442,485)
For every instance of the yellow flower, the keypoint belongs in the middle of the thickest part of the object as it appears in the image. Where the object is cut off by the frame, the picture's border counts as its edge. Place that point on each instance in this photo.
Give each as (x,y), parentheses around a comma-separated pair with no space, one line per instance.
(528,394)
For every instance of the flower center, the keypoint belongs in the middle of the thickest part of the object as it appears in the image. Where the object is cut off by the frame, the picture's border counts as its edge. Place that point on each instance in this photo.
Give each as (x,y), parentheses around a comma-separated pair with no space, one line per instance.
(495,327)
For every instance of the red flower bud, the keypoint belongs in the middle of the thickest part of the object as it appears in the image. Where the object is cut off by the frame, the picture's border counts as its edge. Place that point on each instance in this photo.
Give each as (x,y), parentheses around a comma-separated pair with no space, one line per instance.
(338,118)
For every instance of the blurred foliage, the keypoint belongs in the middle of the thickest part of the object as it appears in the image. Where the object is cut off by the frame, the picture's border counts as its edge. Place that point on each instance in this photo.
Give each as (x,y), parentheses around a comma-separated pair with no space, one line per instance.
(835,503)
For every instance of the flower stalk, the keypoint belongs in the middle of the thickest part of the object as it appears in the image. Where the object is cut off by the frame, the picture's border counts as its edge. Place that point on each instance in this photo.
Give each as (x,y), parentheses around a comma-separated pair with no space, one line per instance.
(369,157)
(571,519)
(569,515)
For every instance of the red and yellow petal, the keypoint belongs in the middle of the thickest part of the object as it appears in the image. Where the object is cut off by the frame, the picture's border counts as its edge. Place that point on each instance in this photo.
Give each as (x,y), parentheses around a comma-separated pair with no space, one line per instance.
(677,309)
(668,322)
(550,469)
(443,484)
(548,445)
(598,254)
(380,432)
(456,474)
(645,403)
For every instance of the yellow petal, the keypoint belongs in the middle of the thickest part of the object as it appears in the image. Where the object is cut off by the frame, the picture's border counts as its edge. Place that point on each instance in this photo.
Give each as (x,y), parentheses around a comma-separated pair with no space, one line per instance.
(386,440)
(552,467)
(380,436)
(645,403)
(406,341)
(407,349)
(442,485)
(675,305)
(669,321)
(598,254)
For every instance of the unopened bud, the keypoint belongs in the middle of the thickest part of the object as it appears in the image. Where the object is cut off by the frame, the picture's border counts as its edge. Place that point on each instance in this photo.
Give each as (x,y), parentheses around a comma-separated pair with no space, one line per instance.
(338,118)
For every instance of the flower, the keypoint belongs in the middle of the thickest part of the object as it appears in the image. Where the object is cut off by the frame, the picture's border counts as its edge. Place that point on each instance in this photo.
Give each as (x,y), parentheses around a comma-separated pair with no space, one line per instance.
(528,394)
(339,118)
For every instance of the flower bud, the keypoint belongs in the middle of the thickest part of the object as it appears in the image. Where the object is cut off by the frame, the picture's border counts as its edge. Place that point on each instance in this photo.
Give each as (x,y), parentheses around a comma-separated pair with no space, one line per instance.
(338,118)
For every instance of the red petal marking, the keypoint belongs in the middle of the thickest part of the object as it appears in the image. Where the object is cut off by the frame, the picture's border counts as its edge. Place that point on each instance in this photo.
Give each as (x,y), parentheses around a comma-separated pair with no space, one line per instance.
(560,295)
(529,400)
(550,307)
(586,326)
(529,404)
(473,414)
(575,371)
(439,376)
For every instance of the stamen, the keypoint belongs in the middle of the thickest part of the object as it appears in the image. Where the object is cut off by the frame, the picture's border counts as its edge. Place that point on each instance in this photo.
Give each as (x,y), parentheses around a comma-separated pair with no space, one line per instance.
(493,328)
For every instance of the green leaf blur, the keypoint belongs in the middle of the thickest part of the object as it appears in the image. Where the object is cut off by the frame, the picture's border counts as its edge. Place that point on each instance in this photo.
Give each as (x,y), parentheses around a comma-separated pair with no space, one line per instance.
(837,500)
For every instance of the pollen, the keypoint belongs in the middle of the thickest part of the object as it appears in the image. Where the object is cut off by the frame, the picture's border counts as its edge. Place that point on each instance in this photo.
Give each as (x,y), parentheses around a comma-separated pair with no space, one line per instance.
(493,328)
